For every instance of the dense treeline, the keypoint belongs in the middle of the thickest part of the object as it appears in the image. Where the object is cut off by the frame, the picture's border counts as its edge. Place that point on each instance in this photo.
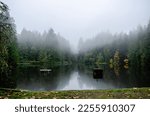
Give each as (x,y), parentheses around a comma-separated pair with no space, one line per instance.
(8,44)
(128,50)
(48,49)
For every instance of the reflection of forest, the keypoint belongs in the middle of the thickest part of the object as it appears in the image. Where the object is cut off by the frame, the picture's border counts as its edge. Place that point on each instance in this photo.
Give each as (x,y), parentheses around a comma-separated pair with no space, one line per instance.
(126,78)
(32,79)
(77,78)
(127,55)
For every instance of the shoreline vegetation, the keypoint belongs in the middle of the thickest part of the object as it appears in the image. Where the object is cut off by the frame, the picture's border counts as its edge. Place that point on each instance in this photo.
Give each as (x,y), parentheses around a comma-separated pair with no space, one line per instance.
(49,50)
(126,93)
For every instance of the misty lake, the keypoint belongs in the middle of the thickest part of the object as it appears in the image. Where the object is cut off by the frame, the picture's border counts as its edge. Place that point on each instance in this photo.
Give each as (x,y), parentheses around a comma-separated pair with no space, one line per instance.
(77,78)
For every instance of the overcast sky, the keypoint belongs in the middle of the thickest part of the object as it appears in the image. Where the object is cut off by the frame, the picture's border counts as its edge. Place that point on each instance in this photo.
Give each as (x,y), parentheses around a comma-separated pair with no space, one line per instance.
(79,18)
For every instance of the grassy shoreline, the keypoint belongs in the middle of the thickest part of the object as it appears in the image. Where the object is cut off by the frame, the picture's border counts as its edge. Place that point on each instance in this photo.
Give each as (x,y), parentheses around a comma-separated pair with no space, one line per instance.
(128,93)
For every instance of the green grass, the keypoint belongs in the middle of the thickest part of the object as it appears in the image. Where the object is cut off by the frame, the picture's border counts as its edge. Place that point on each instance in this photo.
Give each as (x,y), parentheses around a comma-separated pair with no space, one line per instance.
(131,93)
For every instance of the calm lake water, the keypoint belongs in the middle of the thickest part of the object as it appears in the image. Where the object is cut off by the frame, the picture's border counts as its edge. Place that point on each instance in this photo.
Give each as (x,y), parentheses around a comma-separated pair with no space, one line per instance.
(78,78)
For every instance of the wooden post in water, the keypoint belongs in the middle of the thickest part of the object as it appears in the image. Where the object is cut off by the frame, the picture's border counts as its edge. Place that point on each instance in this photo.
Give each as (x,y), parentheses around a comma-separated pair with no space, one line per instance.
(97,73)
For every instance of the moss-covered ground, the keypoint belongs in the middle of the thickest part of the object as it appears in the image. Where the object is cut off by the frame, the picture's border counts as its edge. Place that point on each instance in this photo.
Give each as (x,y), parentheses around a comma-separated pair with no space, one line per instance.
(129,93)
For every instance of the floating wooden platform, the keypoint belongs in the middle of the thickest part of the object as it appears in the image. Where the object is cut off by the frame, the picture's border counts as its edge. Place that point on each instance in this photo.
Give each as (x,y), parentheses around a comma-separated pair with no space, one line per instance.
(45,70)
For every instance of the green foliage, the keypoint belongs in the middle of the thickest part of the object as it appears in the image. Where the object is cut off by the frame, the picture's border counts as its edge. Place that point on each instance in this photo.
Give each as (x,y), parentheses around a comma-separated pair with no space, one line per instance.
(100,59)
(116,58)
(49,48)
(130,51)
(8,46)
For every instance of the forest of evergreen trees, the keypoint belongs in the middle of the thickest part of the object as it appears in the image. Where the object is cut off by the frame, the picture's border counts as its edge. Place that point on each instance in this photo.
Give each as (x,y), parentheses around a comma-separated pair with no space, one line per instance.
(49,49)
(128,50)
(8,45)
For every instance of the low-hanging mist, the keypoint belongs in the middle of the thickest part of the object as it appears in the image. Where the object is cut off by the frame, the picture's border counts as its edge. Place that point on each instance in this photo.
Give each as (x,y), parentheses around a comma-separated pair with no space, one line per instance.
(37,60)
(79,18)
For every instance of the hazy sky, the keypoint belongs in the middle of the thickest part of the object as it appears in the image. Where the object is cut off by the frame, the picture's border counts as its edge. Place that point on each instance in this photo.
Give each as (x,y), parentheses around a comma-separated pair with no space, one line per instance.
(79,18)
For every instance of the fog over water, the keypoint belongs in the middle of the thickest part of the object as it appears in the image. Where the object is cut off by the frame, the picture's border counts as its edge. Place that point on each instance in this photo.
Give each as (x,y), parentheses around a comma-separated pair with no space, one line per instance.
(73,19)
(74,44)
